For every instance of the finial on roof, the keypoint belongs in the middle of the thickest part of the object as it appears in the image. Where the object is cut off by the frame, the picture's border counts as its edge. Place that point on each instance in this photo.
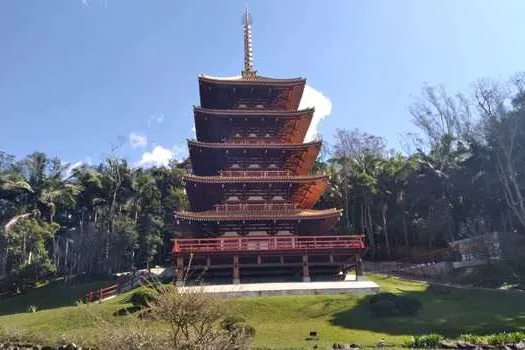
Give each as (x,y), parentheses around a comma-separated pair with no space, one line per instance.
(248,72)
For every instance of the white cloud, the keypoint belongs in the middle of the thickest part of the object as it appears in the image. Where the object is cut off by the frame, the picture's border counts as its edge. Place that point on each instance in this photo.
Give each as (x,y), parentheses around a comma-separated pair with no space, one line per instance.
(157,157)
(155,118)
(137,140)
(161,156)
(85,2)
(323,108)
(193,130)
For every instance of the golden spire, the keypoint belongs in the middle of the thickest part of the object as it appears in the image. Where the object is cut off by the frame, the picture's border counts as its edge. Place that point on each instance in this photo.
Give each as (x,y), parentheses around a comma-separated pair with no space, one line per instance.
(248,72)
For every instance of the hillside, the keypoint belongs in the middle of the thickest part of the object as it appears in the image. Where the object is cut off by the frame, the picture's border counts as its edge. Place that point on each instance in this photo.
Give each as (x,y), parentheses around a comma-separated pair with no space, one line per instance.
(285,321)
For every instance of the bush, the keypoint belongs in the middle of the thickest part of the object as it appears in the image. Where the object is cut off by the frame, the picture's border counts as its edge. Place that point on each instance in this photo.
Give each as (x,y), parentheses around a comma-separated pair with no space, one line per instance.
(388,304)
(32,309)
(177,320)
(236,326)
(427,341)
(471,338)
(142,297)
(505,338)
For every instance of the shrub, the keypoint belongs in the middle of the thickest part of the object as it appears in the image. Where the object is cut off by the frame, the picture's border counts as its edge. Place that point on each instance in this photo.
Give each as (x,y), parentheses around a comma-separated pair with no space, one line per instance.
(237,327)
(198,320)
(505,338)
(388,304)
(32,309)
(471,338)
(177,320)
(426,341)
(142,297)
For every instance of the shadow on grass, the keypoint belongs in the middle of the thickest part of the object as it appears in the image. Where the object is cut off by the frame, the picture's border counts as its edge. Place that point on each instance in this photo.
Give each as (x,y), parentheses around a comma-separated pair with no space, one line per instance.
(52,295)
(449,312)
(127,311)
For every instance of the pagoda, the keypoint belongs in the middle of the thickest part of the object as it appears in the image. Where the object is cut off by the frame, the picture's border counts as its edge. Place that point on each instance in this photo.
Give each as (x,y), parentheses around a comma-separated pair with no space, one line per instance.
(252,189)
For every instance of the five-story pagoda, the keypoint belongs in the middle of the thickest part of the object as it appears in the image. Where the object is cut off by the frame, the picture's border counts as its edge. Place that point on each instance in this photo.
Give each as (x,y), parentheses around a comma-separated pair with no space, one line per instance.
(251,191)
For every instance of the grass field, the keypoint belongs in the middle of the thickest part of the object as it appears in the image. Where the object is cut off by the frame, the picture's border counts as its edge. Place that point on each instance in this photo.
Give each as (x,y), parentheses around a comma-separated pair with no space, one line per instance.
(283,322)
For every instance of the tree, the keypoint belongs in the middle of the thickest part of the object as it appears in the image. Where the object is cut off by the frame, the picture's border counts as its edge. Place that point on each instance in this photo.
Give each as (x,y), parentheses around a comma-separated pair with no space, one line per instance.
(505,134)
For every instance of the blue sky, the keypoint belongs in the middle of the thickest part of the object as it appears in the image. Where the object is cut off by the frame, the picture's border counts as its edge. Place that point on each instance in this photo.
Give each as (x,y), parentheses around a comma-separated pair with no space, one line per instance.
(80,76)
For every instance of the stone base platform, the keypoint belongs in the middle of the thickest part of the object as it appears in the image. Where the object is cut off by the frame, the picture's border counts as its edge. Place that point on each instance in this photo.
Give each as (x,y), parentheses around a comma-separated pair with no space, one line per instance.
(287,288)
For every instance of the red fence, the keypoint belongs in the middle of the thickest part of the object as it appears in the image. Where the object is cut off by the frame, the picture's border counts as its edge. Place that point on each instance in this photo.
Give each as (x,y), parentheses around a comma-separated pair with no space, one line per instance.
(103,293)
(253,206)
(253,141)
(242,244)
(255,173)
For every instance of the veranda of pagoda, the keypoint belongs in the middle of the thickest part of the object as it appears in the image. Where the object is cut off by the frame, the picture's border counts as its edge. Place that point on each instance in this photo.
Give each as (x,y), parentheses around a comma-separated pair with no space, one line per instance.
(252,190)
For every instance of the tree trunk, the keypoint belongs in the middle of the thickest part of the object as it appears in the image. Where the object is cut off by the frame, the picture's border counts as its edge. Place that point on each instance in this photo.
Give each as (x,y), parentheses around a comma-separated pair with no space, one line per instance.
(370,228)
(405,228)
(362,223)
(387,242)
(346,204)
(3,258)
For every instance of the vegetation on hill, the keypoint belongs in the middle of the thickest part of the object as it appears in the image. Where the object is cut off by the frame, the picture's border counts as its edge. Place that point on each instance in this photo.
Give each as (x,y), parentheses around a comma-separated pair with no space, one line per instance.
(459,177)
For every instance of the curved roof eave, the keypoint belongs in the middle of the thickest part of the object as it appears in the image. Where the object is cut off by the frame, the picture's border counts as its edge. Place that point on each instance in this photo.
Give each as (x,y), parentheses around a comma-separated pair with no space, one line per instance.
(258,80)
(230,179)
(251,112)
(283,146)
(306,214)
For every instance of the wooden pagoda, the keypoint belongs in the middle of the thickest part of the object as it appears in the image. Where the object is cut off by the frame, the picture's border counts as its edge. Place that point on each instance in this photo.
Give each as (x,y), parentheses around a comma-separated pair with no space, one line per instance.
(252,191)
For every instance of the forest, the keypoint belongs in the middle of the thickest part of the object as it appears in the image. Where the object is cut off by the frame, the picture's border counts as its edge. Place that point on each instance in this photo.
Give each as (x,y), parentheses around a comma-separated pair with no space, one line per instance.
(461,175)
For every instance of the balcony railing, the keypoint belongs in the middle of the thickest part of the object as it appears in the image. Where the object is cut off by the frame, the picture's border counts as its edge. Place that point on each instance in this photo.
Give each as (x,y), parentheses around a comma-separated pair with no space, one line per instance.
(226,207)
(255,173)
(254,141)
(283,243)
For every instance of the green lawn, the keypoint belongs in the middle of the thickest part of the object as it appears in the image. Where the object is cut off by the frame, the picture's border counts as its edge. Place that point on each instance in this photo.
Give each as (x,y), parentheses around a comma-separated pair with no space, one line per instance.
(284,321)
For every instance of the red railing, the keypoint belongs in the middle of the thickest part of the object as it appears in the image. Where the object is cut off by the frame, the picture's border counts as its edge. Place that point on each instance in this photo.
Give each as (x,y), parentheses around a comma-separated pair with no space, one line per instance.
(283,243)
(255,173)
(254,141)
(103,293)
(254,207)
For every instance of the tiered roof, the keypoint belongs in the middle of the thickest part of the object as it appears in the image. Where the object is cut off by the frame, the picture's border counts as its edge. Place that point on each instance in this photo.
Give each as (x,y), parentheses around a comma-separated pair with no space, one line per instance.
(215,125)
(251,169)
(261,92)
(209,159)
(206,191)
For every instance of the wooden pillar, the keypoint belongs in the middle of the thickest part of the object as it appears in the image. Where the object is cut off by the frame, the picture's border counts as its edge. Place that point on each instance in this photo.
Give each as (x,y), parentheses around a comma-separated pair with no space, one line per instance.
(179,272)
(236,270)
(208,261)
(358,268)
(258,260)
(331,257)
(306,270)
(281,260)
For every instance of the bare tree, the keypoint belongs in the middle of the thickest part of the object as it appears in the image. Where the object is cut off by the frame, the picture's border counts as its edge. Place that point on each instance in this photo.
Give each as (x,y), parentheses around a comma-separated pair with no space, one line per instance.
(436,113)
(504,127)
